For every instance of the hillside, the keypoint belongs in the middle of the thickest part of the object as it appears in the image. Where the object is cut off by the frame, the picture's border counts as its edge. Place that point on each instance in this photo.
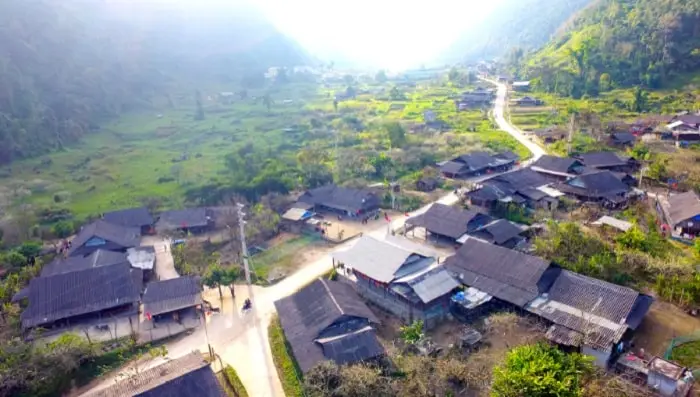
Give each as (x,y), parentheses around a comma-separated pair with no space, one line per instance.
(621,43)
(67,65)
(525,24)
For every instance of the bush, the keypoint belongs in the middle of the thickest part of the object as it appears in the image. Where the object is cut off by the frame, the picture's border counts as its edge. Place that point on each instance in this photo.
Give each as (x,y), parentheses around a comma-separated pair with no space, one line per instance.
(62,229)
(234,381)
(540,371)
(287,368)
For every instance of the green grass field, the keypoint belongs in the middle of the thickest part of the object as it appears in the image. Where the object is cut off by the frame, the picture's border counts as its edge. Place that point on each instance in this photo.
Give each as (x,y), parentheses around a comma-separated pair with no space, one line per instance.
(162,153)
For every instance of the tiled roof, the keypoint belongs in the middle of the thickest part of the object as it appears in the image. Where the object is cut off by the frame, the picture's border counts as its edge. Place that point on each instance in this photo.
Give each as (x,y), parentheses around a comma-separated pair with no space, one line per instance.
(317,318)
(126,237)
(170,295)
(446,220)
(341,198)
(379,260)
(498,231)
(603,184)
(476,161)
(75,263)
(177,219)
(452,167)
(130,217)
(601,159)
(557,165)
(506,274)
(80,292)
(681,207)
(187,376)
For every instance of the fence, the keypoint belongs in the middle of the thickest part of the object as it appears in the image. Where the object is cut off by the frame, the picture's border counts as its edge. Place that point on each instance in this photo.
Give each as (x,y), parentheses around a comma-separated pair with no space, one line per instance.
(681,340)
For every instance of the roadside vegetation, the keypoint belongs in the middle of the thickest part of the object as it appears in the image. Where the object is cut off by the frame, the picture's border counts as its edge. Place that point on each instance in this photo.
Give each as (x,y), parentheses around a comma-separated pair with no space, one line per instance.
(287,368)
(234,382)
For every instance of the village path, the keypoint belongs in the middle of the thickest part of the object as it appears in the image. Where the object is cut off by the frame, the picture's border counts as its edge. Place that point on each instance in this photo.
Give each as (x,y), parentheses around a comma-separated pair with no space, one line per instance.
(165,265)
(499,115)
(240,339)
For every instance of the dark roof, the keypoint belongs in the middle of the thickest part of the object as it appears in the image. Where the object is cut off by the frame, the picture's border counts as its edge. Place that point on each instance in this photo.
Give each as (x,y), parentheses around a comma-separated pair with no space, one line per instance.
(130,217)
(476,161)
(75,263)
(446,220)
(507,155)
(602,159)
(433,284)
(126,237)
(558,165)
(311,315)
(689,118)
(514,181)
(498,231)
(682,207)
(623,137)
(187,376)
(170,295)
(595,309)
(178,219)
(506,274)
(342,198)
(602,184)
(452,167)
(79,292)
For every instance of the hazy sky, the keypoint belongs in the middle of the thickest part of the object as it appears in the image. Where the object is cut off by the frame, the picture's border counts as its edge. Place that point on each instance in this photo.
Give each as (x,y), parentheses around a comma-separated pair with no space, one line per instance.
(392,34)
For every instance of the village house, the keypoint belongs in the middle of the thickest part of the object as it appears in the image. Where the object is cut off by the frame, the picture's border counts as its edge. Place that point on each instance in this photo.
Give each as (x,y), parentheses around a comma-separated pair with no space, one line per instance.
(131,217)
(187,221)
(622,139)
(327,321)
(592,315)
(399,276)
(296,219)
(500,232)
(73,297)
(446,223)
(342,201)
(478,163)
(471,101)
(601,187)
(523,187)
(97,258)
(104,236)
(528,101)
(681,212)
(176,298)
(427,184)
(550,134)
(666,378)
(187,376)
(521,86)
(557,168)
(610,161)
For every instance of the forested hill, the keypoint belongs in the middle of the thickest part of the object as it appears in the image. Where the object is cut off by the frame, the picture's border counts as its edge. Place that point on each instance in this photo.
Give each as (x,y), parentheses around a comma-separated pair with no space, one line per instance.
(621,43)
(65,65)
(525,24)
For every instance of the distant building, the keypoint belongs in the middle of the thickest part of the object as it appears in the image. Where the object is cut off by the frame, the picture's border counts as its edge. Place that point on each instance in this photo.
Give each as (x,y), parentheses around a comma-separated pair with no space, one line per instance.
(131,217)
(101,235)
(478,163)
(528,101)
(447,223)
(341,200)
(681,213)
(521,86)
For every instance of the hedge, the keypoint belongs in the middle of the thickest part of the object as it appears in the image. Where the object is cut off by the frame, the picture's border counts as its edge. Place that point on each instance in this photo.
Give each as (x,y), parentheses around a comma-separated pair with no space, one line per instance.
(234,381)
(287,367)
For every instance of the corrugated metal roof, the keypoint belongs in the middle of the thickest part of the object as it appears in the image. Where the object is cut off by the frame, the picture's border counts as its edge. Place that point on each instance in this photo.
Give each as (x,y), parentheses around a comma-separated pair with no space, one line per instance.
(616,223)
(170,295)
(433,285)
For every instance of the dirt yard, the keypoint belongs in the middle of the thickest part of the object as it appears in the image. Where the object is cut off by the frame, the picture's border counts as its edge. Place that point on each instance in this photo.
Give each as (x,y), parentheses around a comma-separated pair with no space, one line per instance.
(663,323)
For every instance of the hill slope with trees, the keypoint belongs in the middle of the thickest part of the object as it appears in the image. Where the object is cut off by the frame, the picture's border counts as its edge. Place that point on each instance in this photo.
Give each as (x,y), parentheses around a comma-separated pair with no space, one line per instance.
(523,24)
(65,65)
(621,43)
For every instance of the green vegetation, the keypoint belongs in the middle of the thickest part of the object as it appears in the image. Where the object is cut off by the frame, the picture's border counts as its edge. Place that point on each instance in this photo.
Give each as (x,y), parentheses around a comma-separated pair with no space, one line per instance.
(687,354)
(516,26)
(412,333)
(234,381)
(287,368)
(540,371)
(618,43)
(217,276)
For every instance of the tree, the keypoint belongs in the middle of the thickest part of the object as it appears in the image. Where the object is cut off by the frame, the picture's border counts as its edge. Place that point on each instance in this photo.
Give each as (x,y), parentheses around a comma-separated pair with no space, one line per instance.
(640,101)
(380,77)
(214,278)
(540,371)
(267,102)
(62,229)
(199,113)
(395,94)
(348,79)
(229,276)
(335,105)
(397,134)
(604,82)
(454,76)
(412,333)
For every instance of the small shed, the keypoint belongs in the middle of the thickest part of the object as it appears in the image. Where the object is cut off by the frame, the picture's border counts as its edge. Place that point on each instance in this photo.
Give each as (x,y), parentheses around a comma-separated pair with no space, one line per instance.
(665,376)
(427,184)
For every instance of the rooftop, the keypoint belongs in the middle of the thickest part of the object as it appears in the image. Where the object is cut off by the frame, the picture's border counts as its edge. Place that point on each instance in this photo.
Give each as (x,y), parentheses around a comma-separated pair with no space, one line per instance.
(124,236)
(187,376)
(75,263)
(328,320)
(130,217)
(446,220)
(169,295)
(602,159)
(181,219)
(342,198)
(680,207)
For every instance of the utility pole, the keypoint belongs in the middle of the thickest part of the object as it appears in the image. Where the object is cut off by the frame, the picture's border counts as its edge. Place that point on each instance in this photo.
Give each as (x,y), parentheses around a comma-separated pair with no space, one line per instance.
(572,122)
(244,248)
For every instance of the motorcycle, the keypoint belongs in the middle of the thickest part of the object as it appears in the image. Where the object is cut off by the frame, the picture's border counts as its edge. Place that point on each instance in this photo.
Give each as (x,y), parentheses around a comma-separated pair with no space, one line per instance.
(247,306)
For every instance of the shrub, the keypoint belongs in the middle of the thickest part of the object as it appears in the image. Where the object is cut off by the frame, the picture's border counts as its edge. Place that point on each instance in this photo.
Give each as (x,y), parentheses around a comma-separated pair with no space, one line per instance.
(540,371)
(287,368)
(62,229)
(234,381)
(412,333)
